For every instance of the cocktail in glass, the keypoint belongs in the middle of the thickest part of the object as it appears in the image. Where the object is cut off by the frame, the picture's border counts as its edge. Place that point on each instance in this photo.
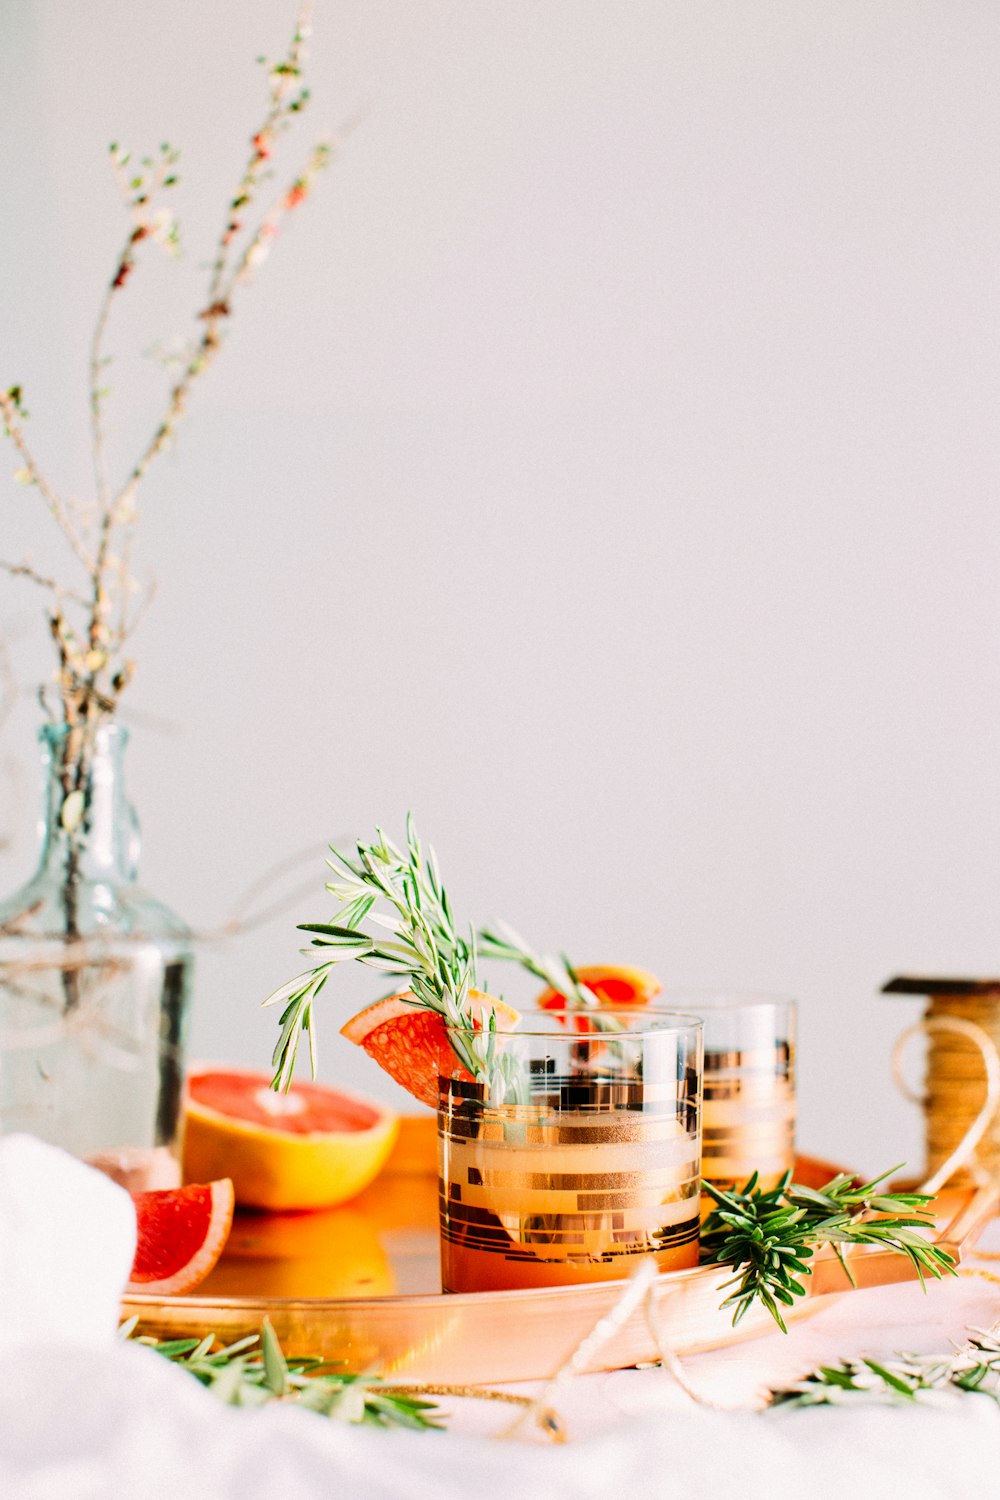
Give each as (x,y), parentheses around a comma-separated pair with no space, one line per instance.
(573,1153)
(748,1120)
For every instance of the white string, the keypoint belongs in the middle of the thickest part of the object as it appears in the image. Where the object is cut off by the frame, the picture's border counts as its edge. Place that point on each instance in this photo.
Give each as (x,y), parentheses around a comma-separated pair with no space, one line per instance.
(978,1126)
(635,1290)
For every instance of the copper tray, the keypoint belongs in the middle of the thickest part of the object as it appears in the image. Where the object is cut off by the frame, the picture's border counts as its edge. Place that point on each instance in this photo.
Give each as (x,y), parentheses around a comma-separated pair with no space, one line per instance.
(360,1285)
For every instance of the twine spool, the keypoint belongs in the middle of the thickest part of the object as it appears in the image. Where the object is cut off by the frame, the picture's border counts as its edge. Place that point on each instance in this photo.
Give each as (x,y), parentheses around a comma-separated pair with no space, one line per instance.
(961,1098)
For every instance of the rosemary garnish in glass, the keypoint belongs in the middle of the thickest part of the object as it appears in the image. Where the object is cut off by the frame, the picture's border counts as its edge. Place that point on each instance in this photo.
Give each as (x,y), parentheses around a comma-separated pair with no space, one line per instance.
(501,942)
(417,941)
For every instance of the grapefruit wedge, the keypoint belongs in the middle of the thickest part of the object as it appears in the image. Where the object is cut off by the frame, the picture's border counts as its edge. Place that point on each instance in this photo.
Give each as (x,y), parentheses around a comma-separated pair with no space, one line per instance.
(411,1042)
(613,984)
(312,1147)
(181,1233)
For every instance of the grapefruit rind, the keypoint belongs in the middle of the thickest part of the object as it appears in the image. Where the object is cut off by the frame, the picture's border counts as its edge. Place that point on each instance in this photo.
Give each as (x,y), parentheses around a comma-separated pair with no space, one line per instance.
(410,1042)
(172,1209)
(279,1170)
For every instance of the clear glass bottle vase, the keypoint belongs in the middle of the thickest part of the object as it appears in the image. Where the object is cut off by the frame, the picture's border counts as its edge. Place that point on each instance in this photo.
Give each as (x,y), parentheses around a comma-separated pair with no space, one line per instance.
(94,978)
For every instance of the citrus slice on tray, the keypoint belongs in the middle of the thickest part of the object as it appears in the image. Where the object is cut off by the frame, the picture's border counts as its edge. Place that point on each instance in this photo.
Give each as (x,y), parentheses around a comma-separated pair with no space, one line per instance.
(411,1043)
(312,1147)
(613,984)
(181,1233)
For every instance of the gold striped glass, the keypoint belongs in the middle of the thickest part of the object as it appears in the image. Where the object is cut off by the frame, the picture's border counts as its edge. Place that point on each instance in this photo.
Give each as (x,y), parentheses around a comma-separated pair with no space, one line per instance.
(748,1121)
(575,1154)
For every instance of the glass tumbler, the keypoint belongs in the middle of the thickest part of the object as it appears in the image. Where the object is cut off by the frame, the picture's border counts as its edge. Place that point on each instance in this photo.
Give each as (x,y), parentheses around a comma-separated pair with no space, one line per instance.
(566,1151)
(748,1121)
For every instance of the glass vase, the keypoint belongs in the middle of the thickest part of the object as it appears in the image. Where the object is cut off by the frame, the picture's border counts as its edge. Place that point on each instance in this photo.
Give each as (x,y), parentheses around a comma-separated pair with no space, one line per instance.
(567,1152)
(94,978)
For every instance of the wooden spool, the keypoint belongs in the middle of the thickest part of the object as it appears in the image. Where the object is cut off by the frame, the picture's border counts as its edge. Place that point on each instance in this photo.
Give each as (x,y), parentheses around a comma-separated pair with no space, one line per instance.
(961,1098)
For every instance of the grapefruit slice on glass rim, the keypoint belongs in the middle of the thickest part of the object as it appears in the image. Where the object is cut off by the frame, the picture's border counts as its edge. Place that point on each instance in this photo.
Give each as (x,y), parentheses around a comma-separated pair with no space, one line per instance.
(411,1042)
(312,1147)
(180,1234)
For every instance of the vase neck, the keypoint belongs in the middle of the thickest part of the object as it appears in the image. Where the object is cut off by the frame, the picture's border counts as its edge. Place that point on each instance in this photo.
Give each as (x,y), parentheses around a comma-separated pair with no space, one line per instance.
(89,826)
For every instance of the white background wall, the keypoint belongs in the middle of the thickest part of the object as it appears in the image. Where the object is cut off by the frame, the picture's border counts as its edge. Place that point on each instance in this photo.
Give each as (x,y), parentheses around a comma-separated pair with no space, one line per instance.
(604,466)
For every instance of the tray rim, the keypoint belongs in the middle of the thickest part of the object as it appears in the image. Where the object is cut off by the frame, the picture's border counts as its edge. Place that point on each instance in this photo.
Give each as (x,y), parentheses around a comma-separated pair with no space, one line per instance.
(517,1334)
(958,1232)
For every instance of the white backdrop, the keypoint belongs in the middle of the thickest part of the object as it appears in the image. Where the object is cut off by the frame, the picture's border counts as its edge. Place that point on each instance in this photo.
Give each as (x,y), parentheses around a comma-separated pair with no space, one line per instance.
(604,466)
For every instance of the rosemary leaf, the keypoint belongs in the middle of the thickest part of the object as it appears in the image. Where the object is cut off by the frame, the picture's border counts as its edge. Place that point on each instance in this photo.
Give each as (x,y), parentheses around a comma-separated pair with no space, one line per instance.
(972,1370)
(241,1374)
(423,947)
(768,1238)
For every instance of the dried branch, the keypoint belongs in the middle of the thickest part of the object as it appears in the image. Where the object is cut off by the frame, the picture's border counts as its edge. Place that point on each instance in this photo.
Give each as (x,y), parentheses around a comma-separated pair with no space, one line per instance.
(25,570)
(139,191)
(12,412)
(283,104)
(91,674)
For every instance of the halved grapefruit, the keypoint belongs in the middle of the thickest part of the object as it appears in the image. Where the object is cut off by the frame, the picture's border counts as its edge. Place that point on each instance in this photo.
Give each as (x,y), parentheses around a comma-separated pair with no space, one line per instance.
(312,1147)
(411,1043)
(181,1233)
(613,984)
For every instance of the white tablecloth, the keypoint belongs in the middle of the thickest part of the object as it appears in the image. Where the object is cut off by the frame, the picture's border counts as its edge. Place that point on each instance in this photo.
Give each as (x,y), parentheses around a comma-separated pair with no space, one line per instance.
(83,1416)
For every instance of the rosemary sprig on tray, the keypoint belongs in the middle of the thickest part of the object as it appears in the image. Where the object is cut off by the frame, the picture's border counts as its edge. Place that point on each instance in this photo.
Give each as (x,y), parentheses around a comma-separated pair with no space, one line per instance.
(242,1375)
(418,942)
(972,1370)
(768,1238)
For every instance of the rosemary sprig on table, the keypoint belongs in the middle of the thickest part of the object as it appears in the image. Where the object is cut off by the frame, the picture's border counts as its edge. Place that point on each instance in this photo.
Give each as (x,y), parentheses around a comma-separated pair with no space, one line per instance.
(911,1378)
(242,1375)
(421,945)
(768,1238)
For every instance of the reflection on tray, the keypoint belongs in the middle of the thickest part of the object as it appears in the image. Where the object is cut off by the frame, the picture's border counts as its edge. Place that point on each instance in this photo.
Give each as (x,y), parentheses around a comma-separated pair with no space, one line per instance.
(382,1244)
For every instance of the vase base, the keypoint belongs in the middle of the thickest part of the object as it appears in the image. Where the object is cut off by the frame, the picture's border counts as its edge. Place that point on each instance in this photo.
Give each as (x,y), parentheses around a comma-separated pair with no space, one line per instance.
(139,1169)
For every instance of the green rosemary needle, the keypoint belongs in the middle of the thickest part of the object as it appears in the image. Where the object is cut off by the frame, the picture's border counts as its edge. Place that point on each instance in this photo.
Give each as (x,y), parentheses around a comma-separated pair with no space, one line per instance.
(501,942)
(401,894)
(768,1238)
(908,1379)
(241,1375)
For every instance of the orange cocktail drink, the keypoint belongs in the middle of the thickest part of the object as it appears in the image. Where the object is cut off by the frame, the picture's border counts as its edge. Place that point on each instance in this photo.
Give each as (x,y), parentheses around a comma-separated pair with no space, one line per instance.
(748,1120)
(574,1154)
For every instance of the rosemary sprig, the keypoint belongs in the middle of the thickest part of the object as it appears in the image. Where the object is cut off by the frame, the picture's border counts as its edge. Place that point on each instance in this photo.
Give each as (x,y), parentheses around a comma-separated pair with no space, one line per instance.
(911,1378)
(501,942)
(768,1238)
(418,942)
(242,1375)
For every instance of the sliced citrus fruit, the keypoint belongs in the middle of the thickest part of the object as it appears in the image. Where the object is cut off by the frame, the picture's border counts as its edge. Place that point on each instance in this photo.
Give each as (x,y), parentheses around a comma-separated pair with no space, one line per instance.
(313,1147)
(180,1236)
(410,1042)
(613,984)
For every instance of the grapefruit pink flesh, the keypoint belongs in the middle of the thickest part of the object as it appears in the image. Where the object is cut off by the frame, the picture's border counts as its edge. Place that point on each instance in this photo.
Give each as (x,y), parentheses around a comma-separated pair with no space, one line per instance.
(613,984)
(181,1232)
(306,1109)
(312,1147)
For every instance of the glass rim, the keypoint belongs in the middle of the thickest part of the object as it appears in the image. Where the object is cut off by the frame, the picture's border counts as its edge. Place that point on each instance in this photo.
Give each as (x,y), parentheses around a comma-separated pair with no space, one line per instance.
(683,1021)
(713,997)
